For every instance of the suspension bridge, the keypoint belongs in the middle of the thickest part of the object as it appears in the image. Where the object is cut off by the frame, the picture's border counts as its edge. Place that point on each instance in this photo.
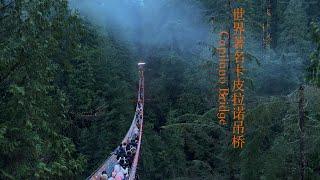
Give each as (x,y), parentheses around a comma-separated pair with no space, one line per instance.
(137,123)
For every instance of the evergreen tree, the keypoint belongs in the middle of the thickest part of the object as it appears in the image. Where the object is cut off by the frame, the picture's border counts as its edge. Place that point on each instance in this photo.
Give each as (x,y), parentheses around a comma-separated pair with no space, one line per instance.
(294,32)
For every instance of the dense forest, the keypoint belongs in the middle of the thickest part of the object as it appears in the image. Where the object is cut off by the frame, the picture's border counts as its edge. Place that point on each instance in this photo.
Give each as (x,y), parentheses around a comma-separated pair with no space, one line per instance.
(68,83)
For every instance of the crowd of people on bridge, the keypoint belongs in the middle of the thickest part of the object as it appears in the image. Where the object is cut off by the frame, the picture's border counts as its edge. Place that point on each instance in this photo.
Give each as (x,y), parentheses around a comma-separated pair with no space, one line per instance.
(125,152)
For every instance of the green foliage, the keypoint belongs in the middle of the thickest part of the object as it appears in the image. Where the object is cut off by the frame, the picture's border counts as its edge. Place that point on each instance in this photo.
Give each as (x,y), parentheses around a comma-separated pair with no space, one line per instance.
(294,30)
(67,95)
(313,71)
(54,68)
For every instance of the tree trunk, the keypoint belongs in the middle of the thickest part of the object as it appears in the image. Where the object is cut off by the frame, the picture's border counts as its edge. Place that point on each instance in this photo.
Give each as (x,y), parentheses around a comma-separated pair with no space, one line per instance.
(303,160)
(229,29)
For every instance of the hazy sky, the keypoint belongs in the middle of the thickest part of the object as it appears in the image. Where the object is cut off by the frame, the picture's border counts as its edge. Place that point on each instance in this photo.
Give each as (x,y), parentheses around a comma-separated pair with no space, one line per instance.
(149,23)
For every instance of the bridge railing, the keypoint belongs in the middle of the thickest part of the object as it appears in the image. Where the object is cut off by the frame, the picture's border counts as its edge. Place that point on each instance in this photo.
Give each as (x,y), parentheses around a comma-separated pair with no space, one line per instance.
(111,161)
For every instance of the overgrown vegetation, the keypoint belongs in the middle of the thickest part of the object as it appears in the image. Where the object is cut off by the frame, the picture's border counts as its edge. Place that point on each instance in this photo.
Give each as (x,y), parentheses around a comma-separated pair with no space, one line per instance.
(68,92)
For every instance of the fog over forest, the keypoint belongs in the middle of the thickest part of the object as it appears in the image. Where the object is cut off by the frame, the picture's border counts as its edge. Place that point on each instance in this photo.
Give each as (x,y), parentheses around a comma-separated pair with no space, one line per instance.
(130,89)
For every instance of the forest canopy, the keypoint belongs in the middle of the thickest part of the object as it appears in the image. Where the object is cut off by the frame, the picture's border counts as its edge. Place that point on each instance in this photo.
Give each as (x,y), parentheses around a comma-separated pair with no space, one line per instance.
(69,77)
